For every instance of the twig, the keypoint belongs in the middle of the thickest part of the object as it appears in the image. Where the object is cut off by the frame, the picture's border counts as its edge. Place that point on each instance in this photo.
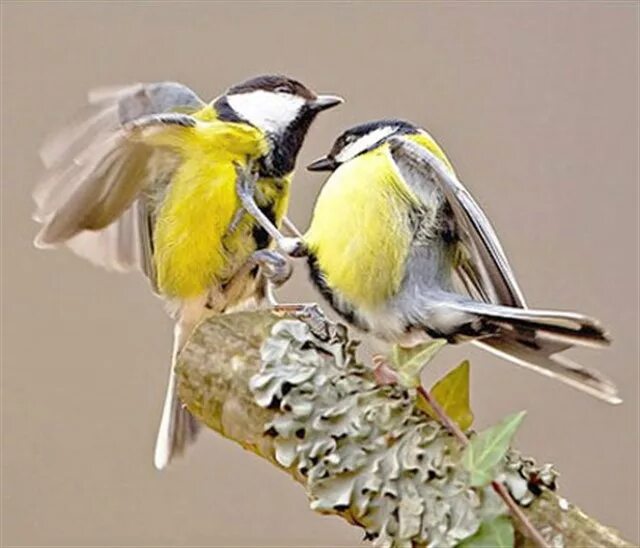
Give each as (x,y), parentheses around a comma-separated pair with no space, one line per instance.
(498,487)
(224,357)
(445,419)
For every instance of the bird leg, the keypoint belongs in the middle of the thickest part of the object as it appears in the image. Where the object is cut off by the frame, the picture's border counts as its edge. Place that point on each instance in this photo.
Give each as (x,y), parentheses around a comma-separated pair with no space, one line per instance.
(276,271)
(274,266)
(291,227)
(245,188)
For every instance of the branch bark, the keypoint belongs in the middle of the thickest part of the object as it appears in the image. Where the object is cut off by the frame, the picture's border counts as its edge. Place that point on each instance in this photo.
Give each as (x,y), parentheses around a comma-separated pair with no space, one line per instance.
(293,393)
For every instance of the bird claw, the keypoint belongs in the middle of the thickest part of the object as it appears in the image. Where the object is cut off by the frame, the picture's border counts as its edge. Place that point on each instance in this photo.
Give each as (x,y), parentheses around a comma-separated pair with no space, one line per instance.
(246,179)
(301,310)
(273,265)
(235,222)
(294,247)
(310,313)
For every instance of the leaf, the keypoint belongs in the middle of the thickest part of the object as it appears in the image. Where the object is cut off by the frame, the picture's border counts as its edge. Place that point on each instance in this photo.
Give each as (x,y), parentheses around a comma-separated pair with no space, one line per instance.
(488,449)
(496,533)
(409,362)
(452,393)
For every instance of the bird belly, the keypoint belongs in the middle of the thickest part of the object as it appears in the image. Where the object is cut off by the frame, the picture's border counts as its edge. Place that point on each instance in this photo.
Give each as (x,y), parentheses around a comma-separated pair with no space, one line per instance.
(360,234)
(195,250)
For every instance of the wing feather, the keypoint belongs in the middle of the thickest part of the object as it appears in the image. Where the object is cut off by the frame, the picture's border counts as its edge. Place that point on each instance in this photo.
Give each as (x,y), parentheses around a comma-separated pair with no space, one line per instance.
(91,197)
(486,270)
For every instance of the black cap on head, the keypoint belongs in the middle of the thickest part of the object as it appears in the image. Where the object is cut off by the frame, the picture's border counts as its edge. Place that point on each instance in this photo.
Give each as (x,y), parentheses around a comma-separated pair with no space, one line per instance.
(354,133)
(273,82)
(396,126)
(278,83)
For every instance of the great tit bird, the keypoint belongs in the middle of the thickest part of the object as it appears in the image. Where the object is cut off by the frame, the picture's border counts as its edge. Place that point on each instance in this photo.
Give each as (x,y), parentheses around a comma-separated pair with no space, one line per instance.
(146,180)
(400,249)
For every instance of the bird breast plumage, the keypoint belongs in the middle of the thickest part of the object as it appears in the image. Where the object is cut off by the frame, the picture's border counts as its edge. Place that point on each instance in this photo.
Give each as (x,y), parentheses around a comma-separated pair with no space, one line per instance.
(195,249)
(361,233)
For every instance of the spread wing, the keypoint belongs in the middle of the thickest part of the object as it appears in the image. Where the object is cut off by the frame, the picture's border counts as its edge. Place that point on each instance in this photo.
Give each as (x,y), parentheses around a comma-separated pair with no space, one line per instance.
(484,269)
(93,195)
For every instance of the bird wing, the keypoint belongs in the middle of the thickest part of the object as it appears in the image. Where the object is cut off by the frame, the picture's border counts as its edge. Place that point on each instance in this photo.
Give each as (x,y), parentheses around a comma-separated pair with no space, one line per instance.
(92,198)
(484,269)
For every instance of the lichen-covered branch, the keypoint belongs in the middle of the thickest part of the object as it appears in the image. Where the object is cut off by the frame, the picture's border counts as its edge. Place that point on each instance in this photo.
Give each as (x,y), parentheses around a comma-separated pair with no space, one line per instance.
(294,393)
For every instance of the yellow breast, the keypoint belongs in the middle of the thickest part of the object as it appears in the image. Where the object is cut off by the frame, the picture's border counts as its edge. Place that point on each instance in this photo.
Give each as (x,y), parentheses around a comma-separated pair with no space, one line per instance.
(194,249)
(360,230)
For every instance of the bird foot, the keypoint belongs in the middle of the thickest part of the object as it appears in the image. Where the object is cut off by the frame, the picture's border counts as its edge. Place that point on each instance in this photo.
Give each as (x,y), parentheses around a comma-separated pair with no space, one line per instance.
(294,247)
(301,310)
(309,313)
(273,265)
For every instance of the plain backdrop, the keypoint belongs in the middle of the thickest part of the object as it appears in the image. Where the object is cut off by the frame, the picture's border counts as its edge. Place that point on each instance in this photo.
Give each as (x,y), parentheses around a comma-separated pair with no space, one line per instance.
(536,104)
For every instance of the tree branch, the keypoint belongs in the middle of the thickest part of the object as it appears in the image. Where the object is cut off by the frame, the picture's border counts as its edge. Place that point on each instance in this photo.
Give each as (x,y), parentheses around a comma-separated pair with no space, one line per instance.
(293,392)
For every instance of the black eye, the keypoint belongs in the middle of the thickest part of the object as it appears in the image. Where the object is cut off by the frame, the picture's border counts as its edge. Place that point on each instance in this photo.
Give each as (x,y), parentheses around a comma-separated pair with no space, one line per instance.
(283,89)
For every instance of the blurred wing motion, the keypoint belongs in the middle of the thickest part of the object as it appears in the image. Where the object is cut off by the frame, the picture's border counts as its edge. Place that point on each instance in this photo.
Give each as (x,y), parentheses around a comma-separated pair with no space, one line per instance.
(92,196)
(105,174)
(530,338)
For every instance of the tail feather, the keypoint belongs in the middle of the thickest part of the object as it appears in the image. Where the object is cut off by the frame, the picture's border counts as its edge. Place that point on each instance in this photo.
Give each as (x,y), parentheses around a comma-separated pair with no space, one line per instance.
(178,428)
(534,339)
(554,366)
(546,325)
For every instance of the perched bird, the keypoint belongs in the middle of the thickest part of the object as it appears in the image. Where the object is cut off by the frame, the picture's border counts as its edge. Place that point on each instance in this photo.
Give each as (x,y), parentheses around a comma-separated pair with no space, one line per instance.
(400,249)
(146,180)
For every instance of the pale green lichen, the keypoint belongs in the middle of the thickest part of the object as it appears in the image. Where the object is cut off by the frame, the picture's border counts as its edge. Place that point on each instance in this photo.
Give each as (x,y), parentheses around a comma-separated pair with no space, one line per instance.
(366,450)
(226,353)
(524,477)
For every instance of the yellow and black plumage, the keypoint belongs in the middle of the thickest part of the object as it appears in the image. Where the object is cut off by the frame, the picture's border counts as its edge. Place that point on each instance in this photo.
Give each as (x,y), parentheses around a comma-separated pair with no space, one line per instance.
(147,181)
(400,249)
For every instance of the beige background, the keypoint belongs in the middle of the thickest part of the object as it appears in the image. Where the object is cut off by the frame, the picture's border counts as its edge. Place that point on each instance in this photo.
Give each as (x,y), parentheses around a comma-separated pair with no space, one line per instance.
(537,104)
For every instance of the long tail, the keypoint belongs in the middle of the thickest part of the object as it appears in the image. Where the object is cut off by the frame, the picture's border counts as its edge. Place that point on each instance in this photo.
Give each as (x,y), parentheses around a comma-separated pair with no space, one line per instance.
(178,428)
(534,339)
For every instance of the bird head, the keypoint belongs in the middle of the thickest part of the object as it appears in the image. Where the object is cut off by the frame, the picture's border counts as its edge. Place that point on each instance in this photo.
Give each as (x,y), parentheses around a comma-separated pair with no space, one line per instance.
(360,139)
(282,108)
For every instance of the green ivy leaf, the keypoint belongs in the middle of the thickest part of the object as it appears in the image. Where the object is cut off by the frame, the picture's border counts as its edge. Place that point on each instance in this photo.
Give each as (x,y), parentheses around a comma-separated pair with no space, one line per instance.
(488,449)
(497,533)
(409,362)
(452,393)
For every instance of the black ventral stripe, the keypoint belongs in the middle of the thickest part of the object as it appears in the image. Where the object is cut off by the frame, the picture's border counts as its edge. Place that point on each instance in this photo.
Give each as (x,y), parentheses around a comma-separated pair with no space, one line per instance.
(343,309)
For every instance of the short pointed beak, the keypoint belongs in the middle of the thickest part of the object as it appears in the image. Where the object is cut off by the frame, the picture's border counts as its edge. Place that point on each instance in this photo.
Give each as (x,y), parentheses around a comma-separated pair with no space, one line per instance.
(326,163)
(323,102)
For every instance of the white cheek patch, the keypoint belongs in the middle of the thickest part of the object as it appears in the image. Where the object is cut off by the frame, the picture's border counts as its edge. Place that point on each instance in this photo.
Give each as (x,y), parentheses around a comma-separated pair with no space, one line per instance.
(267,110)
(363,143)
